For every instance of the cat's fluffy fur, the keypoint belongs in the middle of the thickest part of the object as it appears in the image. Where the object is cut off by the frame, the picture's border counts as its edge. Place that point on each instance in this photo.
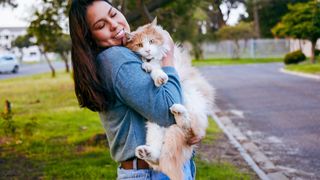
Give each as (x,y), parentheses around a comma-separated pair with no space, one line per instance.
(166,149)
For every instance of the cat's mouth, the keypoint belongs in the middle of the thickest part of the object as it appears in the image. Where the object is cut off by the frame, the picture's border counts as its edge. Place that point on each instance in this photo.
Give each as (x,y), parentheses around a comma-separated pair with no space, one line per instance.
(148,60)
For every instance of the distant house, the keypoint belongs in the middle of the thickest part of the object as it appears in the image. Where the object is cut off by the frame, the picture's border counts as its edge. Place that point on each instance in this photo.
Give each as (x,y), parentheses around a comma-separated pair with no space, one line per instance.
(9,34)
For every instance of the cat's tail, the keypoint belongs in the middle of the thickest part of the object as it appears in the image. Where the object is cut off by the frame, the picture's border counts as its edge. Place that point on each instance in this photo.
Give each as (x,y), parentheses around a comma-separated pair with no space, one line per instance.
(174,153)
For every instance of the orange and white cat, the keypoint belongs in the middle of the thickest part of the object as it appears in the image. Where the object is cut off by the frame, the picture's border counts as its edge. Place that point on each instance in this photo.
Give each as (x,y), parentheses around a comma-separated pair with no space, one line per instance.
(166,149)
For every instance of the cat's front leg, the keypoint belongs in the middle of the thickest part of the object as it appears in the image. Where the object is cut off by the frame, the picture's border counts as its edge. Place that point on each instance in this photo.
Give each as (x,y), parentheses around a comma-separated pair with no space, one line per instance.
(181,116)
(147,66)
(159,77)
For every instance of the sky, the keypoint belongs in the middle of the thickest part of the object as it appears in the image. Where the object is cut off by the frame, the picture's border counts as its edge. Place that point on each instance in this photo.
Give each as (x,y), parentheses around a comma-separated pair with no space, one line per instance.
(18,17)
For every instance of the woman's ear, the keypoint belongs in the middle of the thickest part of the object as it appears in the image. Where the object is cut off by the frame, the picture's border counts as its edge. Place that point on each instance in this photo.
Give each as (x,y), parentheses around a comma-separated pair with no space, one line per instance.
(129,36)
(154,22)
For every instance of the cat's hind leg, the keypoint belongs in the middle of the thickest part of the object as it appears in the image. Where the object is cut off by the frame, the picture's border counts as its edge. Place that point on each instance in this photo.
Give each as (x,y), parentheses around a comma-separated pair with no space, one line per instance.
(148,154)
(151,151)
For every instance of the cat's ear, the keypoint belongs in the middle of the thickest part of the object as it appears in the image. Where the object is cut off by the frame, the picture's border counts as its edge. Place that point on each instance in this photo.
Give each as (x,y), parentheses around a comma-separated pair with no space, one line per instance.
(154,22)
(129,36)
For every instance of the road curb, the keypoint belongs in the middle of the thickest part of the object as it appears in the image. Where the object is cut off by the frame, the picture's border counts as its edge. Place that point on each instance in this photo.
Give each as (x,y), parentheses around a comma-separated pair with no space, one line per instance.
(248,150)
(311,76)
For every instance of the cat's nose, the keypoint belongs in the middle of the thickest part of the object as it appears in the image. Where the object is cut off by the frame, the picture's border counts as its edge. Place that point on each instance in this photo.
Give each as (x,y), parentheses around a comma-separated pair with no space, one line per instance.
(147,51)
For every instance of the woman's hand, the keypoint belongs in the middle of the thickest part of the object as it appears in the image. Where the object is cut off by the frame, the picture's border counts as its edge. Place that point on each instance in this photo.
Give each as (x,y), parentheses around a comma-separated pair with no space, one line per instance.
(168,59)
(194,140)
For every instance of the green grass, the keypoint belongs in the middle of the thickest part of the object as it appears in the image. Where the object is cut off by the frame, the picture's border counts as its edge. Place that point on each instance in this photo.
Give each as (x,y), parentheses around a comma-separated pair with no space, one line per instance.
(219,62)
(305,67)
(51,129)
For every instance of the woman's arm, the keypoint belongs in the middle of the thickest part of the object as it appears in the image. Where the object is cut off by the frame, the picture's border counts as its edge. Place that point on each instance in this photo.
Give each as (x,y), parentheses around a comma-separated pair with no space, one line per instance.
(135,88)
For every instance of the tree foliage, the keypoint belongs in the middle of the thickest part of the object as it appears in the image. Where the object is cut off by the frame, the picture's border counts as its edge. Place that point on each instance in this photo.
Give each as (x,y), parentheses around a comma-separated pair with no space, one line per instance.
(48,30)
(301,22)
(184,19)
(269,13)
(21,42)
(241,31)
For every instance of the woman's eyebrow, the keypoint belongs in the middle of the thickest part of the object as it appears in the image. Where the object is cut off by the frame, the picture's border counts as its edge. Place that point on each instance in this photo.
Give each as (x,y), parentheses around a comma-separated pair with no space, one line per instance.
(110,10)
(101,18)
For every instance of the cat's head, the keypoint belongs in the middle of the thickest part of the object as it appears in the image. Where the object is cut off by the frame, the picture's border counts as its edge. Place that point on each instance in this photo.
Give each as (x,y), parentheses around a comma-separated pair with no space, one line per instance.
(148,41)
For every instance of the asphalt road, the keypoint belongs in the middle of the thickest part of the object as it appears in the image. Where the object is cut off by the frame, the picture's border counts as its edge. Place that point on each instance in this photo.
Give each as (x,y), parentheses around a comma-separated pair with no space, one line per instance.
(281,112)
(30,69)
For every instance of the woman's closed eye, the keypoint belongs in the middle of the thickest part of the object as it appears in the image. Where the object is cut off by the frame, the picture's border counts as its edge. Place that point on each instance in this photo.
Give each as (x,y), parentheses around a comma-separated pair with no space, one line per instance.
(113,14)
(100,25)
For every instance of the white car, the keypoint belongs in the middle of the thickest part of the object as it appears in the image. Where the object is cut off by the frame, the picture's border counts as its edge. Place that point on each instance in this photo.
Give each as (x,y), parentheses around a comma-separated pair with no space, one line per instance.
(9,63)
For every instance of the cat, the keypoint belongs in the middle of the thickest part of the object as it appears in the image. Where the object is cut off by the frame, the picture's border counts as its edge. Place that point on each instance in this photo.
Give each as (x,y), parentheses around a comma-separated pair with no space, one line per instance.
(166,149)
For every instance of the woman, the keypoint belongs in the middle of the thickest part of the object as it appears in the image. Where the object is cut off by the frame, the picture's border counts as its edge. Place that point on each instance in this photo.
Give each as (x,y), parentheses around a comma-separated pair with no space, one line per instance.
(109,79)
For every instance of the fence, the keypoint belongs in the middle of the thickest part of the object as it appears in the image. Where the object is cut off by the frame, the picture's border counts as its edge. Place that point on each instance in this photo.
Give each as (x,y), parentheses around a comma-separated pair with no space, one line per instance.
(252,48)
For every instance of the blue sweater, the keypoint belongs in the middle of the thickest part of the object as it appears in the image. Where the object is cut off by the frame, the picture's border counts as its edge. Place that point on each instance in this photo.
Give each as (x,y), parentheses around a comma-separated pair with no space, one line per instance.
(137,100)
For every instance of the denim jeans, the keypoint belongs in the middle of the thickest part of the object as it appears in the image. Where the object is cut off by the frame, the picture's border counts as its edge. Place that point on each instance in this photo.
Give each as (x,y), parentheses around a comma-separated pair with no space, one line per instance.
(189,170)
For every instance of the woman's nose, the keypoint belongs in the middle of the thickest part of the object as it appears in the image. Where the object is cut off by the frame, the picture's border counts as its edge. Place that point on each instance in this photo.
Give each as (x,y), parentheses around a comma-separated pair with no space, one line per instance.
(113,25)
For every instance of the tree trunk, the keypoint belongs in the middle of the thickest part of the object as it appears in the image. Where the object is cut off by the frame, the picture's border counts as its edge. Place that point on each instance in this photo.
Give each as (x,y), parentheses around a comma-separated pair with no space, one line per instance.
(256,19)
(53,72)
(64,57)
(236,50)
(221,22)
(144,11)
(21,57)
(313,47)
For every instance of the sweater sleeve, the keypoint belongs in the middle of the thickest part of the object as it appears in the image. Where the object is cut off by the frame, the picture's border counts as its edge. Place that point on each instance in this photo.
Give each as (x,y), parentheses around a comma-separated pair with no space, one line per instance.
(135,88)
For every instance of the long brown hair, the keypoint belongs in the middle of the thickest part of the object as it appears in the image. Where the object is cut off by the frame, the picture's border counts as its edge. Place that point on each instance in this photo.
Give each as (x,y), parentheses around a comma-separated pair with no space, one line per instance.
(89,88)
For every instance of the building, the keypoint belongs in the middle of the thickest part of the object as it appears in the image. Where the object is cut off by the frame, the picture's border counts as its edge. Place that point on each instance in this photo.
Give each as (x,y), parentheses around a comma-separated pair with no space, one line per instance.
(30,54)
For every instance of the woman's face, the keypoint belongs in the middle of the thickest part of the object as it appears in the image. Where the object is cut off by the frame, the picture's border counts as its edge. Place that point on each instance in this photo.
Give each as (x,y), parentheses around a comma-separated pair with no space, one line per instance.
(107,25)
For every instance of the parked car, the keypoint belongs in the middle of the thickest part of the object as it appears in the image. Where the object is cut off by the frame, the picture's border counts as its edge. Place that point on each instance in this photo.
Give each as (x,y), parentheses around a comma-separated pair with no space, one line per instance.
(9,63)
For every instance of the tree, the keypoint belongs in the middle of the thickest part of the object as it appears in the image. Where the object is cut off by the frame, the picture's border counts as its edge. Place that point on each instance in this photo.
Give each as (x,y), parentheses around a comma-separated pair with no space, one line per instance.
(266,14)
(47,28)
(301,22)
(22,42)
(216,18)
(62,46)
(241,31)
(9,2)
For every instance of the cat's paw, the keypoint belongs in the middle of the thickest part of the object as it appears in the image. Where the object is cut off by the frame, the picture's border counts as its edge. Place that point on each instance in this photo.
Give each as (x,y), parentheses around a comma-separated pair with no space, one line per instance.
(143,152)
(161,79)
(178,110)
(181,116)
(147,67)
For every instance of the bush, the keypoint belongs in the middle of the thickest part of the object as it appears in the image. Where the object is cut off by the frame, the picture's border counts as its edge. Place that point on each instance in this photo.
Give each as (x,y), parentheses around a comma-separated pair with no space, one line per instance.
(294,57)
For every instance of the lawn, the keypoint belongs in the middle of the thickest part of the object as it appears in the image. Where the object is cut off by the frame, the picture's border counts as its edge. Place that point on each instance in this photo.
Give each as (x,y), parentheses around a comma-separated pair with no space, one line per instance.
(305,67)
(50,137)
(219,62)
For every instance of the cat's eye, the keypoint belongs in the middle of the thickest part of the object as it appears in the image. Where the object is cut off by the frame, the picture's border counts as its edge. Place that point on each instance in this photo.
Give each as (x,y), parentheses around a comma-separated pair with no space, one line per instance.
(140,45)
(151,41)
